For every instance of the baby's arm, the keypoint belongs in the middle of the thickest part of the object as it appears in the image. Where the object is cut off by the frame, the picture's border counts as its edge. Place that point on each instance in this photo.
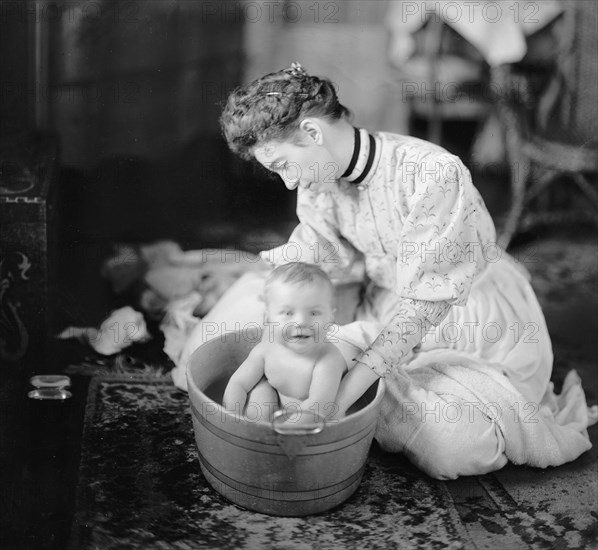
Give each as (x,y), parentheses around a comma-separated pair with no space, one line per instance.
(325,382)
(243,380)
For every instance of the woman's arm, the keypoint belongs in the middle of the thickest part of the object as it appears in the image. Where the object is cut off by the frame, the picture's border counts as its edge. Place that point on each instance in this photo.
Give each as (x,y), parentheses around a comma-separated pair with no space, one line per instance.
(316,240)
(353,385)
(439,255)
(443,234)
(404,332)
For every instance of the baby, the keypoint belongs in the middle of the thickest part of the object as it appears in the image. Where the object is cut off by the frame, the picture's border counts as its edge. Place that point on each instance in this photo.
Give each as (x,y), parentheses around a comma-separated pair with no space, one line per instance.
(294,365)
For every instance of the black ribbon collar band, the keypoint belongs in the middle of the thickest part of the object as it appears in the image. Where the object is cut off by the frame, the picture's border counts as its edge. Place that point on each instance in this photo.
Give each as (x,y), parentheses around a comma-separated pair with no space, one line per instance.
(356,147)
(364,152)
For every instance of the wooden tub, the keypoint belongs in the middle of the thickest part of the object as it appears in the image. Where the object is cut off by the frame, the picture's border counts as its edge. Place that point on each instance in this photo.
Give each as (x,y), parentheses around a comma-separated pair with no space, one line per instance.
(256,465)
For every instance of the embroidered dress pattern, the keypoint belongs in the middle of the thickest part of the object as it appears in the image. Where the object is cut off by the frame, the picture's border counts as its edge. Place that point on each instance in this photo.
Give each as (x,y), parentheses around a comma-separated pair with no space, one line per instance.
(409,218)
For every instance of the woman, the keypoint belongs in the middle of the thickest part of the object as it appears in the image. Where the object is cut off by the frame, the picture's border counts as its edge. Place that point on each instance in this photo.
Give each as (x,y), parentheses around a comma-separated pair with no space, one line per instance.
(447,318)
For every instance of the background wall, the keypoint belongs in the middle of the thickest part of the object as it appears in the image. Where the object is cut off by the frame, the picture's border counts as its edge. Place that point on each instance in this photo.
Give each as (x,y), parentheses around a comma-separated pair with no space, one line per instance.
(134,91)
(345,41)
(146,78)
(138,78)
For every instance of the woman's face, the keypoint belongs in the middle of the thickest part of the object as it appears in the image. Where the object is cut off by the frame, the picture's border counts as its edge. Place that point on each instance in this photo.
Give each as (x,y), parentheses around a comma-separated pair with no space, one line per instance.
(308,165)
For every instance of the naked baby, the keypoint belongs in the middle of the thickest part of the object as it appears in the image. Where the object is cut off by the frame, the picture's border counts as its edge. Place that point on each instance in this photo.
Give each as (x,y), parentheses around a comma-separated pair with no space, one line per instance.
(294,367)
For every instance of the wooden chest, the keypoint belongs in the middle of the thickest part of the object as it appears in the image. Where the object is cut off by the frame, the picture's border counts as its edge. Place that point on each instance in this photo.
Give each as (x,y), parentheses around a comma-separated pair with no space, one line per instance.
(28,178)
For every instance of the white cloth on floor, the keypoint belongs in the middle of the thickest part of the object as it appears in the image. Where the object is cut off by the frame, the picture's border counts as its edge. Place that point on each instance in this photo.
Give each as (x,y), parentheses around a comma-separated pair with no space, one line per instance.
(178,324)
(240,308)
(121,329)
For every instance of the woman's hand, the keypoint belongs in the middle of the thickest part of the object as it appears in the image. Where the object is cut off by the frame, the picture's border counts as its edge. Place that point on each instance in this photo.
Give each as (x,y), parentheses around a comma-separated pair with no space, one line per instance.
(353,385)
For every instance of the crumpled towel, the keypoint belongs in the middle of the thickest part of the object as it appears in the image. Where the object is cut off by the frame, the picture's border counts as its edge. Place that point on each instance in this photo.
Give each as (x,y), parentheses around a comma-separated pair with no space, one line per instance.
(176,287)
(171,283)
(129,263)
(122,328)
(178,323)
(163,273)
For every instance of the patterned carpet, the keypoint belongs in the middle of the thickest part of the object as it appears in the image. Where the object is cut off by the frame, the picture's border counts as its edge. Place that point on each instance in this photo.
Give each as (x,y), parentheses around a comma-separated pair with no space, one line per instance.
(564,275)
(141,486)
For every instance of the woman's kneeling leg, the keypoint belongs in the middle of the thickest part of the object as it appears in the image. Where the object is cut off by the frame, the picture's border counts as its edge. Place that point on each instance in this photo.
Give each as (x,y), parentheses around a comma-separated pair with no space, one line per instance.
(445,436)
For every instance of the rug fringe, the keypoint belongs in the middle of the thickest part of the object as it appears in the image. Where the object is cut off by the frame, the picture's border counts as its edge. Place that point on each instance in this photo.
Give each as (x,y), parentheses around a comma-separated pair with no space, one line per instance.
(121,365)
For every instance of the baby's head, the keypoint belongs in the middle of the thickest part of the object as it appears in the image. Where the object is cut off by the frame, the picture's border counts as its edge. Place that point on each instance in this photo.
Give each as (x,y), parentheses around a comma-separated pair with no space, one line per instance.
(300,278)
(272,107)
(299,300)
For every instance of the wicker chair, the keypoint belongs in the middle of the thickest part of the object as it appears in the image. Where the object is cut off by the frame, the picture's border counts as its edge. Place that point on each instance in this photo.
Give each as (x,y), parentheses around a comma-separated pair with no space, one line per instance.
(550,124)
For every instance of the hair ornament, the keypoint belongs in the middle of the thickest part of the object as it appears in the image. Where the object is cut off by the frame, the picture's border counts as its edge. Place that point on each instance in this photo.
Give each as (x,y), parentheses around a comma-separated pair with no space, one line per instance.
(298,94)
(296,70)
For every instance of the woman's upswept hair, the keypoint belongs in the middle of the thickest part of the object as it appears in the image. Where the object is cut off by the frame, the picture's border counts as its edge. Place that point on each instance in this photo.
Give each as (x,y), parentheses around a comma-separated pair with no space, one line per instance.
(272,107)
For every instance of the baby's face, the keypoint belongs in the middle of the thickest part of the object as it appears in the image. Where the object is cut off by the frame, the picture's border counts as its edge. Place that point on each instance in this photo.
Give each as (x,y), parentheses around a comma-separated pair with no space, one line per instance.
(298,315)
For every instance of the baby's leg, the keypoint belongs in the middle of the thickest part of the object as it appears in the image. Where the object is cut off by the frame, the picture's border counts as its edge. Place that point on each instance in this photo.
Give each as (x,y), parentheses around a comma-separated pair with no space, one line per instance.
(262,402)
